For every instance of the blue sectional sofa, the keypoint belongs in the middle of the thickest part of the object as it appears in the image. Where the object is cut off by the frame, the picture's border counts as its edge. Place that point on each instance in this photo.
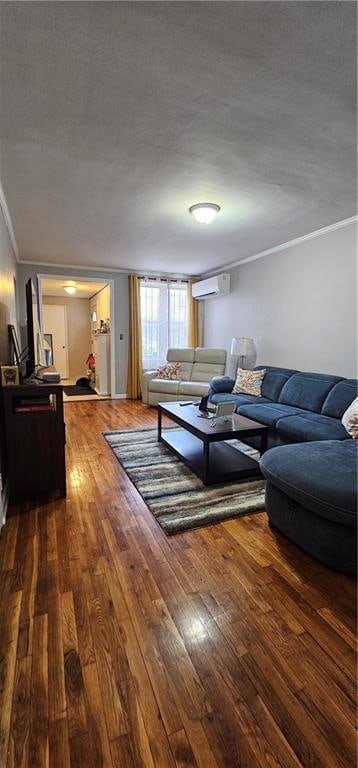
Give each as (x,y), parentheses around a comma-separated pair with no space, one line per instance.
(297,407)
(311,471)
(311,497)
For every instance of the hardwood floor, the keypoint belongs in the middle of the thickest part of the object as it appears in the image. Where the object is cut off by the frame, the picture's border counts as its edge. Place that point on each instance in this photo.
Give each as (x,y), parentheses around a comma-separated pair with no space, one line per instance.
(120,647)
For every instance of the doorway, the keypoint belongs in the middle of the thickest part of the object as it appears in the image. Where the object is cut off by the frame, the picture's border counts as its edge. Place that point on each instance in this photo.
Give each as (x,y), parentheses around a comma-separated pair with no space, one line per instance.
(54,326)
(77,322)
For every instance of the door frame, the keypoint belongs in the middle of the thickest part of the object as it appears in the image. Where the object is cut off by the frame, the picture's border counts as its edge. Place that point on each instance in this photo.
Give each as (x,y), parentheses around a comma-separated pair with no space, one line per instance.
(66,333)
(88,279)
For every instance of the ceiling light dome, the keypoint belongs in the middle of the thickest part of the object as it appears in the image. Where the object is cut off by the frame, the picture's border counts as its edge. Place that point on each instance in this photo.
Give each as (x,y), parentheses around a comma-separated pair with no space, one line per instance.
(70,289)
(204,212)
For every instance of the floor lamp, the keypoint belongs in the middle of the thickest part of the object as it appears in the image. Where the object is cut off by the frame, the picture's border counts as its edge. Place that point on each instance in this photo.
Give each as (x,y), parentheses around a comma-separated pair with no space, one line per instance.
(242,347)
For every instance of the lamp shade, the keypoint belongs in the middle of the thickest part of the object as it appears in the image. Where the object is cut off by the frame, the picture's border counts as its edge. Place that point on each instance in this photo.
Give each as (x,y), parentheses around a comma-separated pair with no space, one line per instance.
(246,346)
(243,346)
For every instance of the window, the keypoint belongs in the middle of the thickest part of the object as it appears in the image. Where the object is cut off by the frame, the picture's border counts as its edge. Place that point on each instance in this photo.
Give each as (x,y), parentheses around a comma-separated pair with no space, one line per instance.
(164,310)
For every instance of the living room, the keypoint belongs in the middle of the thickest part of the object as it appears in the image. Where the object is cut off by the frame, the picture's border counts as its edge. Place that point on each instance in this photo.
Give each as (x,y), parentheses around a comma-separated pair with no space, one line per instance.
(178,560)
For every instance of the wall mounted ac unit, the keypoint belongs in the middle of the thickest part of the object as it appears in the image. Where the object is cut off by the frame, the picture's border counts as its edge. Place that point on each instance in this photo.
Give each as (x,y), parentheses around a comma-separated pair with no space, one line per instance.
(212,286)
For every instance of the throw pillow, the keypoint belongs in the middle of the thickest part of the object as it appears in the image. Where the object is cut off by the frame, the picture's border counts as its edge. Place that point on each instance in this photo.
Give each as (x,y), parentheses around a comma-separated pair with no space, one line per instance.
(350,419)
(249,382)
(170,371)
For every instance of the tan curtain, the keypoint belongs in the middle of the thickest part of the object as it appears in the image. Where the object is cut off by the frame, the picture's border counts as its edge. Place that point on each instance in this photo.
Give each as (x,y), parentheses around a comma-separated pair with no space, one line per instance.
(193,318)
(135,364)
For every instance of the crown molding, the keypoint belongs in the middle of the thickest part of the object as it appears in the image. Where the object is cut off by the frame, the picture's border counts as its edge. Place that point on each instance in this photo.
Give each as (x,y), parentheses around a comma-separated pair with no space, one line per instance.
(115,270)
(126,271)
(87,268)
(284,246)
(8,222)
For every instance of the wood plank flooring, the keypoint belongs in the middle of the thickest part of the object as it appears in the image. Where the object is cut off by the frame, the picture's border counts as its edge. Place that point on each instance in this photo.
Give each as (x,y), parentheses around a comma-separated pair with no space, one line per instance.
(122,648)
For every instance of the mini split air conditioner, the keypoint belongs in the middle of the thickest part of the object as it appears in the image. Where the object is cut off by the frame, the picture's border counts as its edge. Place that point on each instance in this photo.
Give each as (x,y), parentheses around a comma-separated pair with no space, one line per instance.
(212,286)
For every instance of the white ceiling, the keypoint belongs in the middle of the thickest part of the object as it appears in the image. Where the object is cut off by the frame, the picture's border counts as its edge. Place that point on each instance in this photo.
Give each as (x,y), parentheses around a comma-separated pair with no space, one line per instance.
(116,117)
(52,286)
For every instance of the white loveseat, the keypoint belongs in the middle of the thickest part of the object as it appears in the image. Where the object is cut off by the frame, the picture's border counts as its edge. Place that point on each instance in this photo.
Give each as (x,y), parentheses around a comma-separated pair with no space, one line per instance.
(198,366)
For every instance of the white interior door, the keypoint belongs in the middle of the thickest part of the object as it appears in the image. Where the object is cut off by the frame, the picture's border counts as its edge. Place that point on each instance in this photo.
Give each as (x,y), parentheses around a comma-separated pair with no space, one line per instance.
(55,322)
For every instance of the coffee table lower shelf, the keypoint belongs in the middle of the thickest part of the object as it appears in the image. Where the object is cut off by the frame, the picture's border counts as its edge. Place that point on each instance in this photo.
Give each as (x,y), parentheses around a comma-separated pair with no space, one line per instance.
(214,462)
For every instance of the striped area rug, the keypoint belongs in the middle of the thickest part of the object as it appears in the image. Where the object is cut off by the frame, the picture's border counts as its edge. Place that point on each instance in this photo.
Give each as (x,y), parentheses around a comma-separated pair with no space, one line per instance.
(176,496)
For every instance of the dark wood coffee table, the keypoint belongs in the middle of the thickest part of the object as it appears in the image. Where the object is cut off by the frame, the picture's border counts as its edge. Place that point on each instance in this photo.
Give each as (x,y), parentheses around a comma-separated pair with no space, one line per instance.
(203,448)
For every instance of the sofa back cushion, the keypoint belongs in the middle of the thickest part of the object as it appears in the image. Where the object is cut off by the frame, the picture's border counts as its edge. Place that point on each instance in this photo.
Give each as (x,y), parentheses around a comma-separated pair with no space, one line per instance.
(180,355)
(208,363)
(206,371)
(274,380)
(339,398)
(210,355)
(199,364)
(308,390)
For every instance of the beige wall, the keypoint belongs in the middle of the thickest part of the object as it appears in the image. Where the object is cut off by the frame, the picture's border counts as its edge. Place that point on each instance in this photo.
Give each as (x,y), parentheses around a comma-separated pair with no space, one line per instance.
(101,303)
(78,332)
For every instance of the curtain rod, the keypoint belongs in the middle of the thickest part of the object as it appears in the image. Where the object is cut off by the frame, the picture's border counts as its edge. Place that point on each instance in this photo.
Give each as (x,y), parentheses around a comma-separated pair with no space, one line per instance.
(163,279)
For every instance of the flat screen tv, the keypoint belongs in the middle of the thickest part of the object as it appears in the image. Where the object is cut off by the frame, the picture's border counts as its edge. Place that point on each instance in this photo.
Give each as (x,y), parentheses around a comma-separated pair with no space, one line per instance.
(35,347)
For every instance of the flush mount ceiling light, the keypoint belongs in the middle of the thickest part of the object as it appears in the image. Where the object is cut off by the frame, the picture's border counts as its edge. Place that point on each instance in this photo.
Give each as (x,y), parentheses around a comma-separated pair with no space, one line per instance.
(70,289)
(204,212)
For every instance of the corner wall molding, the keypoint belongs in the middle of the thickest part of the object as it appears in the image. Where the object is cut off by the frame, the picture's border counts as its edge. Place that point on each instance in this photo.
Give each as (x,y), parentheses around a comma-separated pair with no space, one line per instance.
(284,246)
(8,222)
(119,397)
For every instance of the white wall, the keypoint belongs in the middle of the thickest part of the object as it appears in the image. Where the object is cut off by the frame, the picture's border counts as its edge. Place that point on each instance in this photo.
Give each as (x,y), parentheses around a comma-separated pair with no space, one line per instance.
(299,305)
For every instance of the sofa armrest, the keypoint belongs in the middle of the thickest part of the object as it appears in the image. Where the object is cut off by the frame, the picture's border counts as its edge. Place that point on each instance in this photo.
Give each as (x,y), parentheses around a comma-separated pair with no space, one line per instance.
(146,378)
(221,384)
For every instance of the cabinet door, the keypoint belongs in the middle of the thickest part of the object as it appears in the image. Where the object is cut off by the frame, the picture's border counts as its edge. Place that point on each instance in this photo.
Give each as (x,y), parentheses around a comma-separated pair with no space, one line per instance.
(36,455)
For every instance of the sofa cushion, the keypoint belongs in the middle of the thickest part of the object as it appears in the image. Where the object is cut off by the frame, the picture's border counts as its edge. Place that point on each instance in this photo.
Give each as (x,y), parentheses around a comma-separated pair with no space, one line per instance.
(211,356)
(307,426)
(320,476)
(164,385)
(350,419)
(186,371)
(274,380)
(249,382)
(180,355)
(339,398)
(196,389)
(206,371)
(222,397)
(267,413)
(169,371)
(308,390)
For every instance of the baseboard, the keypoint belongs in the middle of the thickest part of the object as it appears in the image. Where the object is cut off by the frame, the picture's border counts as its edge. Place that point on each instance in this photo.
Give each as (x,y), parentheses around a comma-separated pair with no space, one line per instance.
(119,397)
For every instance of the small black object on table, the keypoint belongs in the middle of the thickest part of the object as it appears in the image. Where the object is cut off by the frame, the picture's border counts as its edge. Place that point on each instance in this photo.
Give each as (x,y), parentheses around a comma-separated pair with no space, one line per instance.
(203,448)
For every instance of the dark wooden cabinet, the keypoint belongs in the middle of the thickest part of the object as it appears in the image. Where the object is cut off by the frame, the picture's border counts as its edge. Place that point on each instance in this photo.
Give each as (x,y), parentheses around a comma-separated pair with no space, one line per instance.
(34,440)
